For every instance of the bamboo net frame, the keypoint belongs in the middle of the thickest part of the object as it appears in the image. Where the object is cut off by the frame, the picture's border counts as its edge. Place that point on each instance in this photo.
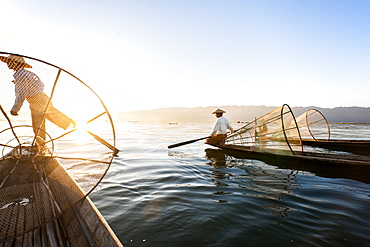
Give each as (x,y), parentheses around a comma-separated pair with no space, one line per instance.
(313,125)
(273,132)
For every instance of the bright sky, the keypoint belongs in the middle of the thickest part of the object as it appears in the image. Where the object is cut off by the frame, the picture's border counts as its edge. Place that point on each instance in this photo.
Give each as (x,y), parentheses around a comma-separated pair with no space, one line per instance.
(186,53)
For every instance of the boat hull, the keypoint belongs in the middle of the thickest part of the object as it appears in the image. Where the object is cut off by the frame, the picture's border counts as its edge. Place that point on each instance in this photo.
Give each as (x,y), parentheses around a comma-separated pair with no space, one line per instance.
(48,208)
(353,146)
(330,165)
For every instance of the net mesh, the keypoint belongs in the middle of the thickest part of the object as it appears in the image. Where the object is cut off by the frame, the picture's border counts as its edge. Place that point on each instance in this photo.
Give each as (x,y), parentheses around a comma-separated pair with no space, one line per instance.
(313,125)
(274,131)
(59,129)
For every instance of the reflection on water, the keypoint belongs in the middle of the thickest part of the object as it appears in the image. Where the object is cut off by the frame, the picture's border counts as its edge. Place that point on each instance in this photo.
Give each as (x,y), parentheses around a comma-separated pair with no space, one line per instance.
(258,179)
(153,196)
(153,210)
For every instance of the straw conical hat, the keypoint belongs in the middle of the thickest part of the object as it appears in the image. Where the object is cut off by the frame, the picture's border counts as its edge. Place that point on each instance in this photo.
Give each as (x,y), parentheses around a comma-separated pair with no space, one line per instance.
(15,59)
(218,111)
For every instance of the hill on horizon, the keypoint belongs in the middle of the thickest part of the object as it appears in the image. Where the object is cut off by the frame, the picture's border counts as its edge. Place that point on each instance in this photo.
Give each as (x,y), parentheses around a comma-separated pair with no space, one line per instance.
(240,114)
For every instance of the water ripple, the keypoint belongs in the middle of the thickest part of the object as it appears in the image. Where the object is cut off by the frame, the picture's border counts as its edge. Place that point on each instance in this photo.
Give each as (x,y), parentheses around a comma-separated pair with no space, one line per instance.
(153,196)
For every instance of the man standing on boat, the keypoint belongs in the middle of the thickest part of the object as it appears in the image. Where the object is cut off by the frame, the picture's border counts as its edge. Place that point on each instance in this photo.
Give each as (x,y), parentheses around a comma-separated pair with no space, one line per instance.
(218,134)
(28,86)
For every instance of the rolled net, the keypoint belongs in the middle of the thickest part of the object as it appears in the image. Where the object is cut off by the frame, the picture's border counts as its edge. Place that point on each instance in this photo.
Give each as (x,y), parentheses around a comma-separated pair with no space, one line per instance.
(273,132)
(55,151)
(313,125)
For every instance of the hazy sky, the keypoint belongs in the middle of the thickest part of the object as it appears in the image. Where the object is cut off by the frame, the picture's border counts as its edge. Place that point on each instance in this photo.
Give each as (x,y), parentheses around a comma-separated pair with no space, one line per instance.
(144,54)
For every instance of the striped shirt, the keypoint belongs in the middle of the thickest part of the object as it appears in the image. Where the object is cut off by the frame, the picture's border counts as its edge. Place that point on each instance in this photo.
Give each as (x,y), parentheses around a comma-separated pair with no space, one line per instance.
(27,84)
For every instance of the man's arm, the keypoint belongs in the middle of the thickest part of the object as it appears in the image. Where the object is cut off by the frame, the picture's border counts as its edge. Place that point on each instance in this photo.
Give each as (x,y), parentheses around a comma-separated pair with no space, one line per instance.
(19,99)
(229,126)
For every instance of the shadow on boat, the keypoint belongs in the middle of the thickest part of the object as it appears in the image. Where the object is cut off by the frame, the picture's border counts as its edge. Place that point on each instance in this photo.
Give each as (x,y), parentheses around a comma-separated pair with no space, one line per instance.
(283,162)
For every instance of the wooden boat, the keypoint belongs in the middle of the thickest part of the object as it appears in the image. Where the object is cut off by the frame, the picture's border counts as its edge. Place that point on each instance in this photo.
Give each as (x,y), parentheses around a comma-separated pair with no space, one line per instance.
(280,140)
(41,205)
(46,172)
(353,146)
(319,167)
(332,159)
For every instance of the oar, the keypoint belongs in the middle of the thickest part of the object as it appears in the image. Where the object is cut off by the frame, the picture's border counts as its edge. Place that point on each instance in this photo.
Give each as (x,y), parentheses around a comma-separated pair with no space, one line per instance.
(187,142)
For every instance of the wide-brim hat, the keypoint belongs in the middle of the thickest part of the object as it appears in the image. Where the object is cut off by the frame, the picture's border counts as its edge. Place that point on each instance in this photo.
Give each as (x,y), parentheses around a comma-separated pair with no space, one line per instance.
(15,59)
(218,111)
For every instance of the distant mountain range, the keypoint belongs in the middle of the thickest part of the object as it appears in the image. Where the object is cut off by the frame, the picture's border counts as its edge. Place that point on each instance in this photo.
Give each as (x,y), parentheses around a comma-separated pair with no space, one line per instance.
(241,114)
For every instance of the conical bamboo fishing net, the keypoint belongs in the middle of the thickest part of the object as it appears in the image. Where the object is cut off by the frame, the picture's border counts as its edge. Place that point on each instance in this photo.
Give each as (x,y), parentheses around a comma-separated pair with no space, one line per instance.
(37,162)
(313,125)
(272,132)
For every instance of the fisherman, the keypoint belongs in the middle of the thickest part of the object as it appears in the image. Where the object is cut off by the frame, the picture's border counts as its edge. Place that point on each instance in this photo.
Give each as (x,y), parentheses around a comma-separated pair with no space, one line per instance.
(29,86)
(261,133)
(218,134)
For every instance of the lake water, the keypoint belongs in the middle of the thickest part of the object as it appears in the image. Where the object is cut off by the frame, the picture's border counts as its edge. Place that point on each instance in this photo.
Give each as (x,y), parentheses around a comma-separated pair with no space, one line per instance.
(153,196)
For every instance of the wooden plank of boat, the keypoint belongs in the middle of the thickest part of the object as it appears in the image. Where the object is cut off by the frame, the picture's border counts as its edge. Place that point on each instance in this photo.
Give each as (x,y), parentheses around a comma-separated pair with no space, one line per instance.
(47,208)
(317,168)
(354,161)
(353,146)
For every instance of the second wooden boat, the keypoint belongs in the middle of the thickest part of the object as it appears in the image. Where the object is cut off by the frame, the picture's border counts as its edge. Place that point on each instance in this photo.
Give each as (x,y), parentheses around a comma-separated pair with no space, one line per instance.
(353,146)
(319,167)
